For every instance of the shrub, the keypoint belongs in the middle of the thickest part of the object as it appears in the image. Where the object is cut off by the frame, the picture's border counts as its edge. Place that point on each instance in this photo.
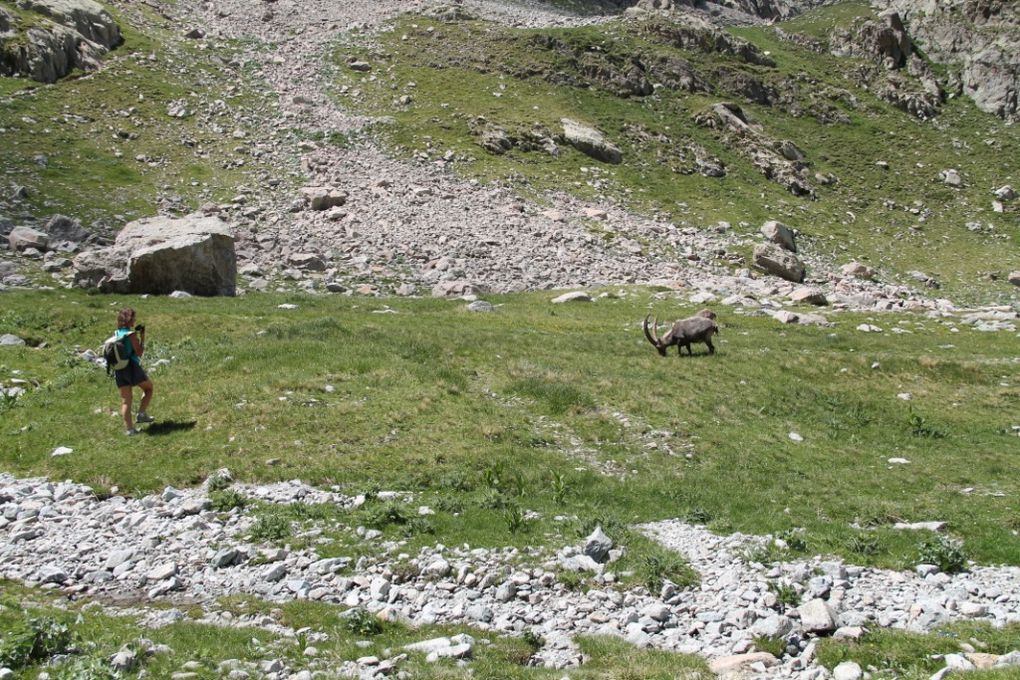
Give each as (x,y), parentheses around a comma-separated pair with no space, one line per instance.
(944,552)
(786,595)
(84,668)
(35,639)
(361,622)
(863,544)
(226,500)
(559,488)
(418,525)
(217,482)
(270,528)
(658,568)
(390,512)
(773,645)
(513,515)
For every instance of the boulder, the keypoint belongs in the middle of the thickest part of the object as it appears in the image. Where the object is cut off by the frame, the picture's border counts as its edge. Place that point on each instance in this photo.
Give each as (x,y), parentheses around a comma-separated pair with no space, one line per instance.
(858,270)
(21,238)
(598,545)
(456,288)
(977,39)
(779,262)
(590,142)
(68,34)
(160,255)
(61,228)
(307,261)
(809,295)
(1014,278)
(323,198)
(574,296)
(817,616)
(740,662)
(780,234)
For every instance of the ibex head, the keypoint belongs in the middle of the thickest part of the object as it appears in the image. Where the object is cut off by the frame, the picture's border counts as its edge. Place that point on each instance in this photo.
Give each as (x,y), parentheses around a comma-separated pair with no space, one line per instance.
(653,337)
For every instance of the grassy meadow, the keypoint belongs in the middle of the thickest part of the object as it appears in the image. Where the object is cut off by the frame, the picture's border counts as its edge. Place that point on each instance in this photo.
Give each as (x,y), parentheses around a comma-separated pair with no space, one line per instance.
(561,410)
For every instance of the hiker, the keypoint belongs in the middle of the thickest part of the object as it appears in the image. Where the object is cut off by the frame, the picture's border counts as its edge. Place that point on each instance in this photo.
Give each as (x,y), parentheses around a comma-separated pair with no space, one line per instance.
(133,375)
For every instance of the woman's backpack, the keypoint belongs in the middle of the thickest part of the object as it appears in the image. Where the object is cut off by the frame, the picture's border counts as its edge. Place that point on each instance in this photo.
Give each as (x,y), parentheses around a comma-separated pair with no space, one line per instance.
(115,353)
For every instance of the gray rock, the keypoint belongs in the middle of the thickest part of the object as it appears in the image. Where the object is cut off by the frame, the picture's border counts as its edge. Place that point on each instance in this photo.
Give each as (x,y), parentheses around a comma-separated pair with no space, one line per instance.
(9,340)
(780,234)
(73,34)
(858,270)
(597,545)
(574,296)
(22,238)
(816,616)
(160,255)
(61,228)
(590,142)
(779,262)
(847,670)
(123,661)
(481,306)
(809,295)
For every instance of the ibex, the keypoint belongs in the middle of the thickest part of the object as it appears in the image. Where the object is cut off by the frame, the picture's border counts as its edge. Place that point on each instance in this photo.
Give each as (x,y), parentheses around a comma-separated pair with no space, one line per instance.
(698,328)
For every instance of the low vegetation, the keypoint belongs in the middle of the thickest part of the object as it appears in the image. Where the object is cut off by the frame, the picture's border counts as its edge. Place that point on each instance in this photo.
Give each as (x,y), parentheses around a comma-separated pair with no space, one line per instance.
(504,422)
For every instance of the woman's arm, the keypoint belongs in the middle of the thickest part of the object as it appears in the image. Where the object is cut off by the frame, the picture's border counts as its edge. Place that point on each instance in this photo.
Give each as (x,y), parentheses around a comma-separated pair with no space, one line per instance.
(138,343)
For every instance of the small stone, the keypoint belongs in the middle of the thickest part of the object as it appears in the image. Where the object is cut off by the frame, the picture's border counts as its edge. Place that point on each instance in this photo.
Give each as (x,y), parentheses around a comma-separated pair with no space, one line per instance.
(848,670)
(576,296)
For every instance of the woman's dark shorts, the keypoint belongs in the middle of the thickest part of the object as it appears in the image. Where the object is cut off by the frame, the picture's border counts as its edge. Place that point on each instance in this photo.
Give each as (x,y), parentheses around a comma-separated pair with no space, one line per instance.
(130,376)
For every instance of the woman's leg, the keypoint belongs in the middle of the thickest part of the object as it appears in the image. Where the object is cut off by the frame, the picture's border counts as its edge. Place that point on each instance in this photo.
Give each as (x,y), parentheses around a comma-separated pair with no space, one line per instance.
(146,396)
(126,397)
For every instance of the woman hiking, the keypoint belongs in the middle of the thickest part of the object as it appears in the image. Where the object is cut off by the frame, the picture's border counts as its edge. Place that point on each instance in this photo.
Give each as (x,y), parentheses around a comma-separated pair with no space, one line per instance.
(132,375)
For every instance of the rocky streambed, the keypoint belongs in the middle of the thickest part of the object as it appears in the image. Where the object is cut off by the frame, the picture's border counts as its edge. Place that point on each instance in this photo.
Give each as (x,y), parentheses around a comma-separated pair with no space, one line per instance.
(174,546)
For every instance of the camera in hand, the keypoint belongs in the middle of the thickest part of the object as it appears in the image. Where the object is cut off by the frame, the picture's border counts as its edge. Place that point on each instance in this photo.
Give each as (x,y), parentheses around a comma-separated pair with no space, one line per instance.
(140,328)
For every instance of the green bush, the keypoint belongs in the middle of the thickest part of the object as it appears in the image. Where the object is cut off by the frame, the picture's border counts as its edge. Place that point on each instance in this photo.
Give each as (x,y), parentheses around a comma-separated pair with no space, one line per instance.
(385,514)
(270,528)
(944,552)
(34,639)
(361,622)
(224,501)
(84,668)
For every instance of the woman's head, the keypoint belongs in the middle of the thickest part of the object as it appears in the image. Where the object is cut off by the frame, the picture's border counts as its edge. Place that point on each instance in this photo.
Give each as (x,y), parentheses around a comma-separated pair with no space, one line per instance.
(125,318)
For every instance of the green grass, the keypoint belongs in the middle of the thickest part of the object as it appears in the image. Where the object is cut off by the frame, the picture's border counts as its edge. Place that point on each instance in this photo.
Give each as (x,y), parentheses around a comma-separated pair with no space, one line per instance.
(557,410)
(527,80)
(913,656)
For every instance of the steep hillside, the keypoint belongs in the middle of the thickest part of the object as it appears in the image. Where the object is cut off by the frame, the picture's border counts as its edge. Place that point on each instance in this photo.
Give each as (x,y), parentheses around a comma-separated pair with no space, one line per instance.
(739,126)
(445,132)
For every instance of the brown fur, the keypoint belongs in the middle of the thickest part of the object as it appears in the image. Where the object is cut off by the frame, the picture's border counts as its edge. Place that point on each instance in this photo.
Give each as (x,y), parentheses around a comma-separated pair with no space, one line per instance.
(698,328)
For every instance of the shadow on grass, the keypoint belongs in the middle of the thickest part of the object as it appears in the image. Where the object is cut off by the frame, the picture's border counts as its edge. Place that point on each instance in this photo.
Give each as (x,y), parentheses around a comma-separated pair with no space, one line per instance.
(169,426)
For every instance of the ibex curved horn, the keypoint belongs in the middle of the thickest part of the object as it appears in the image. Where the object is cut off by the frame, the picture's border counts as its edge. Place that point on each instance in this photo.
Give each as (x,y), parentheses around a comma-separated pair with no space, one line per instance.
(650,332)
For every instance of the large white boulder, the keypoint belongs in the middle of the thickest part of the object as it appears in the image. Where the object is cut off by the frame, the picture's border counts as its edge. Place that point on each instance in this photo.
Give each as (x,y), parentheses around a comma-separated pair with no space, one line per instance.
(160,255)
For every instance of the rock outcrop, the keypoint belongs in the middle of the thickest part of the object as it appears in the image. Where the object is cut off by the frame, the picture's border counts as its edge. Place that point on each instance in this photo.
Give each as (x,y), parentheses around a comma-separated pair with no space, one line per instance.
(60,35)
(160,255)
(978,38)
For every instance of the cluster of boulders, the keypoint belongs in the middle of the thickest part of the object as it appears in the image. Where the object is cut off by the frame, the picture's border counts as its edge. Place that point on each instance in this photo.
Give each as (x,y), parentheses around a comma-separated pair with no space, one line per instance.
(61,535)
